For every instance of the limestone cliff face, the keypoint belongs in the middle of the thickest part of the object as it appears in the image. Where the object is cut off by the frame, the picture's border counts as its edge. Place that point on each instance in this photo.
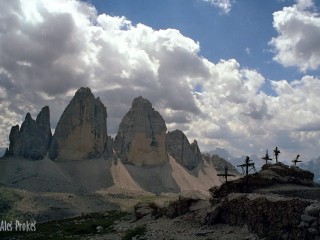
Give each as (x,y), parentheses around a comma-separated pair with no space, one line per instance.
(141,136)
(33,139)
(195,148)
(81,132)
(270,216)
(14,138)
(43,122)
(180,149)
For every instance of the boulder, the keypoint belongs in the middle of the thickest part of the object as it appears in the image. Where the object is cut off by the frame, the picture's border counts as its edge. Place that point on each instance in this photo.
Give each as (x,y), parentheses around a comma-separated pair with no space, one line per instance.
(33,138)
(144,209)
(180,149)
(141,136)
(81,132)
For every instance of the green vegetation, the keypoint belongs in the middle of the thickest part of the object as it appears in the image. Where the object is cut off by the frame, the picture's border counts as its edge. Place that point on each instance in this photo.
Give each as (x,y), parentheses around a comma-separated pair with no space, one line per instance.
(7,199)
(135,232)
(72,228)
(148,198)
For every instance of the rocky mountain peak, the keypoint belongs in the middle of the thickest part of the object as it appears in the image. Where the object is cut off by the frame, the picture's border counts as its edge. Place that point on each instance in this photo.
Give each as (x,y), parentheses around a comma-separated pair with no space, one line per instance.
(141,135)
(195,148)
(43,116)
(33,138)
(82,129)
(43,121)
(28,117)
(140,102)
(180,149)
(83,90)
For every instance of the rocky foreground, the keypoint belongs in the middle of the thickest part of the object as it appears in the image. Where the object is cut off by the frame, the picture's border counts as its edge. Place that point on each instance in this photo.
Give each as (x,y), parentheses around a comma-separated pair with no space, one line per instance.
(246,208)
(182,219)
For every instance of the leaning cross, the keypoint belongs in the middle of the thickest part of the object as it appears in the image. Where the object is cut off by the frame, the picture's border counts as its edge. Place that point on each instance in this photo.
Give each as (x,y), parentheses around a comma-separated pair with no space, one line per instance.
(226,174)
(295,161)
(266,157)
(247,163)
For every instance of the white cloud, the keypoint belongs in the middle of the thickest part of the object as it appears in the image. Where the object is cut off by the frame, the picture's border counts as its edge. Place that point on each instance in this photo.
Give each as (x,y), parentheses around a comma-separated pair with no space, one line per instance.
(304,4)
(297,44)
(48,51)
(224,5)
(248,51)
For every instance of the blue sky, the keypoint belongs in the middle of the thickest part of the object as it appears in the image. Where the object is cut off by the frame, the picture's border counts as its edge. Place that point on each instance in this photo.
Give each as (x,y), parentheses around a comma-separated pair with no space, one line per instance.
(242,75)
(243,33)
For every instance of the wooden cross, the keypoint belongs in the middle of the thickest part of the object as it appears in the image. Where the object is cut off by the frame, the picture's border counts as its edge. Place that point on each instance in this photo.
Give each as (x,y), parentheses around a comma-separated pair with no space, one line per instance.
(247,163)
(295,161)
(226,174)
(276,153)
(266,157)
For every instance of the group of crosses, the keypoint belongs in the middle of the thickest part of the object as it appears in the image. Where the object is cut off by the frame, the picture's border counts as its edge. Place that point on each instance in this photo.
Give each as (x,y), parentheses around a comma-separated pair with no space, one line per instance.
(249,165)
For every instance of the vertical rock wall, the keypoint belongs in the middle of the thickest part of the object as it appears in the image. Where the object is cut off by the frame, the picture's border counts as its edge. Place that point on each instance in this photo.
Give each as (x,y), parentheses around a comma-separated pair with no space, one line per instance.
(141,136)
(180,149)
(81,132)
(33,138)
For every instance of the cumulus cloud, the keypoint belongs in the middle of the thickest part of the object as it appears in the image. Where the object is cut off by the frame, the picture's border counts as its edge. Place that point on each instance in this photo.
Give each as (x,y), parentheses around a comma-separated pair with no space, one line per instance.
(224,5)
(297,43)
(50,48)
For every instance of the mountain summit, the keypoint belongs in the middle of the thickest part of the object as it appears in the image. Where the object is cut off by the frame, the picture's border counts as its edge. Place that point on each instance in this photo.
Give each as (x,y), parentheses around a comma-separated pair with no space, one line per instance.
(33,138)
(141,136)
(81,132)
(179,147)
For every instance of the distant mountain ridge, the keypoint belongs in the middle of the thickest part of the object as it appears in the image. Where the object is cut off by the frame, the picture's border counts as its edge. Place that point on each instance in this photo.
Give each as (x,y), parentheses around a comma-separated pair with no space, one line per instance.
(313,166)
(235,161)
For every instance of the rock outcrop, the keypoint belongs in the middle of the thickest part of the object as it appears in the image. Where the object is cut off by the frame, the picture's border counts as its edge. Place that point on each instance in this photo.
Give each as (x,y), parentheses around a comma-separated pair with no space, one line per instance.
(270,175)
(180,149)
(33,139)
(269,216)
(81,132)
(141,136)
(171,209)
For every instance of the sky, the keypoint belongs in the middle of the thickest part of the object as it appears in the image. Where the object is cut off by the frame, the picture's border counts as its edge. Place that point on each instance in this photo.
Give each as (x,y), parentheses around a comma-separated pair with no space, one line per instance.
(234,74)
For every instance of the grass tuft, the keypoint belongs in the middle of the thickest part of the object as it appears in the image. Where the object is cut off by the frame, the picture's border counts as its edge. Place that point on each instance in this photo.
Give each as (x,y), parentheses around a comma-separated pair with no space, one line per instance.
(135,232)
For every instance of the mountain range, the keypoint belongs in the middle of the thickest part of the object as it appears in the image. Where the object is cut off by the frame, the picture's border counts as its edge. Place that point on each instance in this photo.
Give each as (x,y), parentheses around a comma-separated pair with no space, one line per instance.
(80,157)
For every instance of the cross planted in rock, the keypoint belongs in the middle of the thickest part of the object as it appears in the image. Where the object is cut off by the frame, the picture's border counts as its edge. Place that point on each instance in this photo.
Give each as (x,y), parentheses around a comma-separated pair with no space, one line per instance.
(226,174)
(266,157)
(245,166)
(276,153)
(295,161)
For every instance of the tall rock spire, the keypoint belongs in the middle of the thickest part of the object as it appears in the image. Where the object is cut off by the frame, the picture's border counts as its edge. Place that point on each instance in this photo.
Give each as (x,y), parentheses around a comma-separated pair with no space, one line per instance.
(141,136)
(81,132)
(33,138)
(180,149)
